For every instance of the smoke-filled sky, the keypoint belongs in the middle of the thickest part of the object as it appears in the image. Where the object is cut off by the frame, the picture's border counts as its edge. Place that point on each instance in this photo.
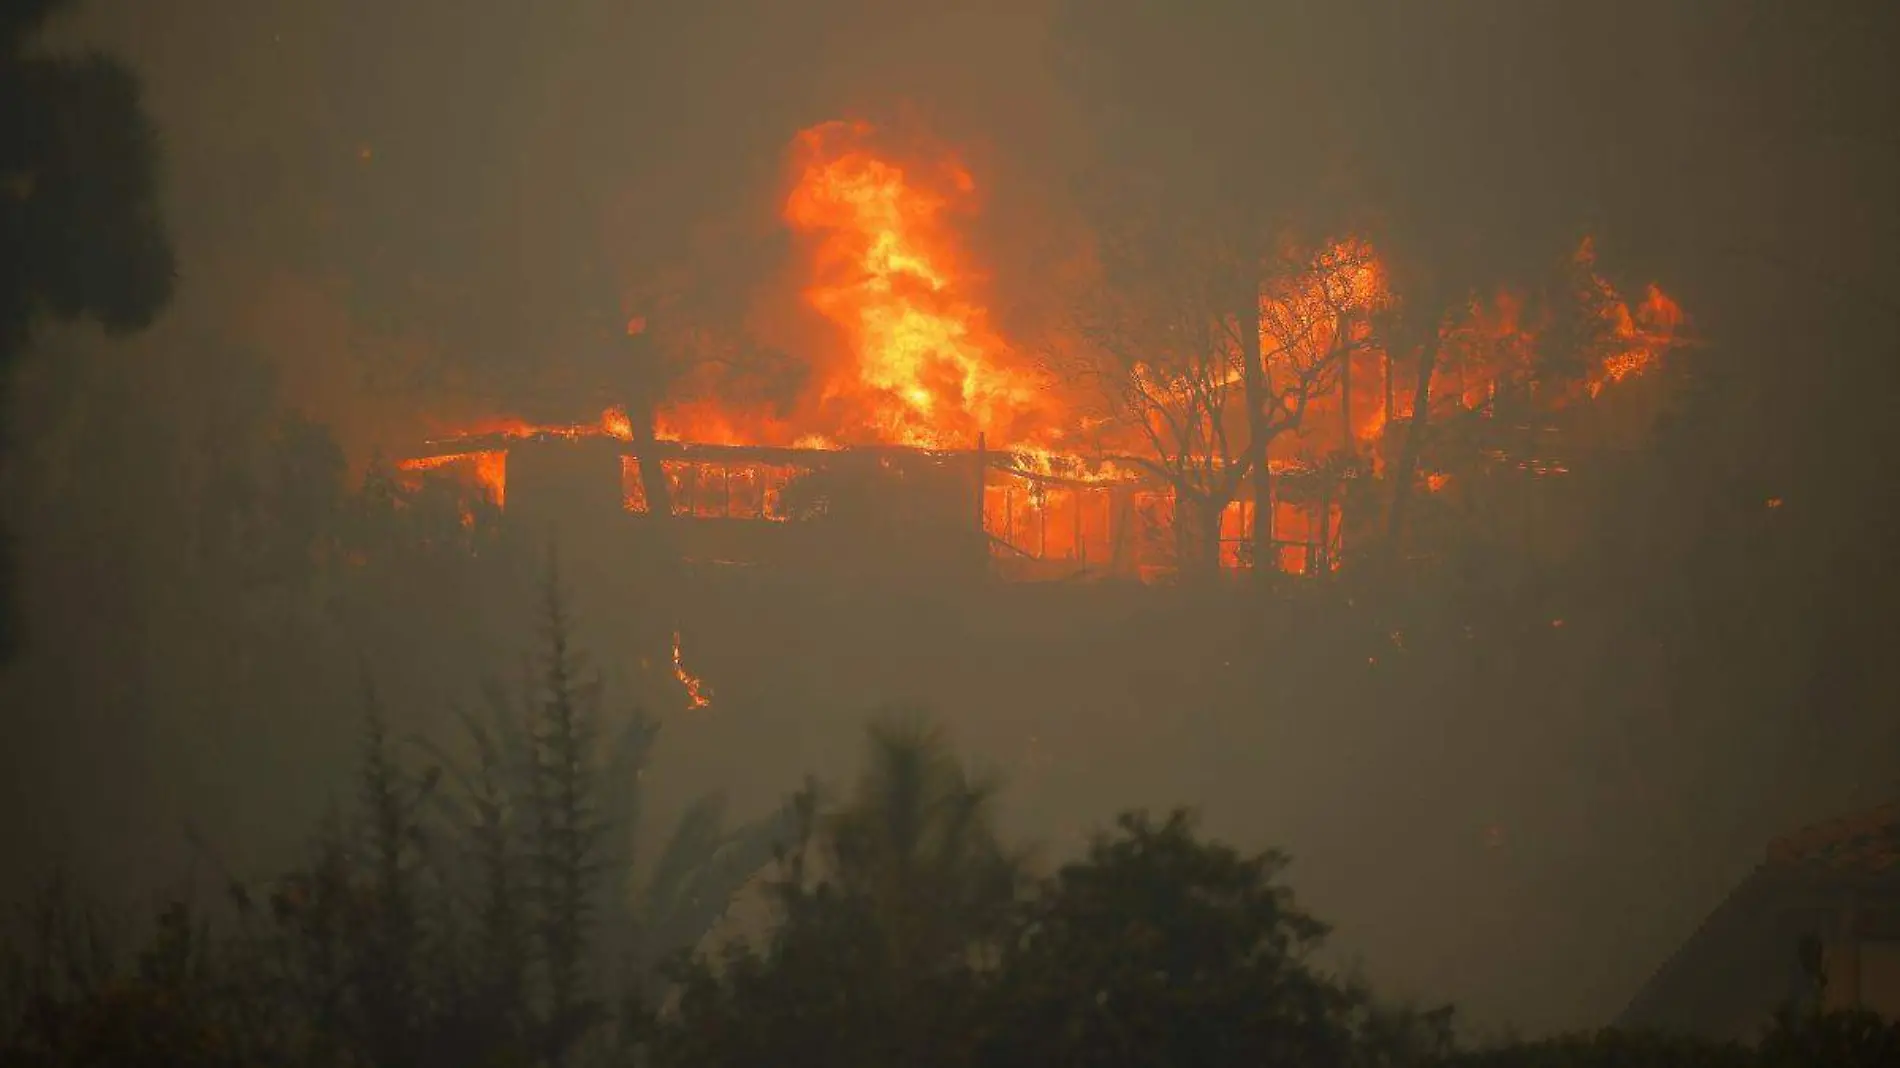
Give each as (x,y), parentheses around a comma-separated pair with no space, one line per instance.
(460,190)
(409,214)
(473,187)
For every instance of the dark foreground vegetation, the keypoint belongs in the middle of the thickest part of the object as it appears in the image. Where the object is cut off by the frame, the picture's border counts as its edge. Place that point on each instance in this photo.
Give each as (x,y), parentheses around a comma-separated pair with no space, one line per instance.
(487,906)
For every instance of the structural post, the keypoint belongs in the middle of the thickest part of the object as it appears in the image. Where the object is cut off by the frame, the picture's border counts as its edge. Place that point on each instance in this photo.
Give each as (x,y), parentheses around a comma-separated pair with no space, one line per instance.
(1345,396)
(982,478)
(1080,550)
(1386,359)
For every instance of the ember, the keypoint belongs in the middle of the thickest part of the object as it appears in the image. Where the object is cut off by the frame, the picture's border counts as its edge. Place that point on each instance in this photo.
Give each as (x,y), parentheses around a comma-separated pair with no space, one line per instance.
(698,696)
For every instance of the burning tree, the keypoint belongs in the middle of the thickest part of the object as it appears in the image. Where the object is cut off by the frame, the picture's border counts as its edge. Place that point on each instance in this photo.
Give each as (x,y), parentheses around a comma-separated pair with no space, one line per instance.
(1172,359)
(1503,375)
(1316,315)
(1168,368)
(1250,122)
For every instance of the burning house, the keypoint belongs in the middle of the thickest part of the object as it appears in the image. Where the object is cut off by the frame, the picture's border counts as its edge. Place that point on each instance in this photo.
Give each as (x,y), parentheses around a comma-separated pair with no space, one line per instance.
(749,504)
(1155,433)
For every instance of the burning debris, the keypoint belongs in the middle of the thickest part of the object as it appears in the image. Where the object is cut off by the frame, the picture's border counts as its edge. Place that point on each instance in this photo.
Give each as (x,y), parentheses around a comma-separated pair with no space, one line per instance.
(487,469)
(1180,463)
(698,694)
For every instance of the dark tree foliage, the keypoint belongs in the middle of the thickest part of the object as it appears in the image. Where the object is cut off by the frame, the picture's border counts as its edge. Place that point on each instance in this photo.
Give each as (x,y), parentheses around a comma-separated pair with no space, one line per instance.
(1853,1039)
(491,921)
(823,991)
(886,904)
(565,856)
(1162,948)
(904,932)
(1158,947)
(1609,1049)
(80,230)
(1796,1039)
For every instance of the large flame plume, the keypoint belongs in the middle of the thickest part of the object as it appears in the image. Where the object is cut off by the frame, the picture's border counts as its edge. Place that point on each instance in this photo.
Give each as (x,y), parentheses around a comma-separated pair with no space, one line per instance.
(926,367)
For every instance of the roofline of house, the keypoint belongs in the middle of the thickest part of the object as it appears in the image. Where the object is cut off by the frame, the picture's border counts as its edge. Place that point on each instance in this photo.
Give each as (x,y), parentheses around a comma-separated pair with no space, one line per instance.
(1787,881)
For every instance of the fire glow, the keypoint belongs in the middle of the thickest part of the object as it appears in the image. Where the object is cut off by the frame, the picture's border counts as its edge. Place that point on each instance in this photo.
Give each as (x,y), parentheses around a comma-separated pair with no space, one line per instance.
(919,363)
(488,469)
(697,695)
(929,371)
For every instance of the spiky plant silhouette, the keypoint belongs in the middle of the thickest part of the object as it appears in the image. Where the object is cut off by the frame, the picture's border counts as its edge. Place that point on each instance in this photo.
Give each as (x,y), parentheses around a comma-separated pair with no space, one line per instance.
(477,907)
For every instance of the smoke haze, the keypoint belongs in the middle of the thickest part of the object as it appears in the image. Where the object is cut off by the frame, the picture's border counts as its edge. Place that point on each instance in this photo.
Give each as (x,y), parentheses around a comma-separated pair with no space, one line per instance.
(396,219)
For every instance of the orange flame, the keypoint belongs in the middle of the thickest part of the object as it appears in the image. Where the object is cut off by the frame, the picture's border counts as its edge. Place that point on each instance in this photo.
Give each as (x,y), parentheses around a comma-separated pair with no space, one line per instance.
(615,424)
(707,423)
(1637,336)
(698,696)
(488,470)
(927,368)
